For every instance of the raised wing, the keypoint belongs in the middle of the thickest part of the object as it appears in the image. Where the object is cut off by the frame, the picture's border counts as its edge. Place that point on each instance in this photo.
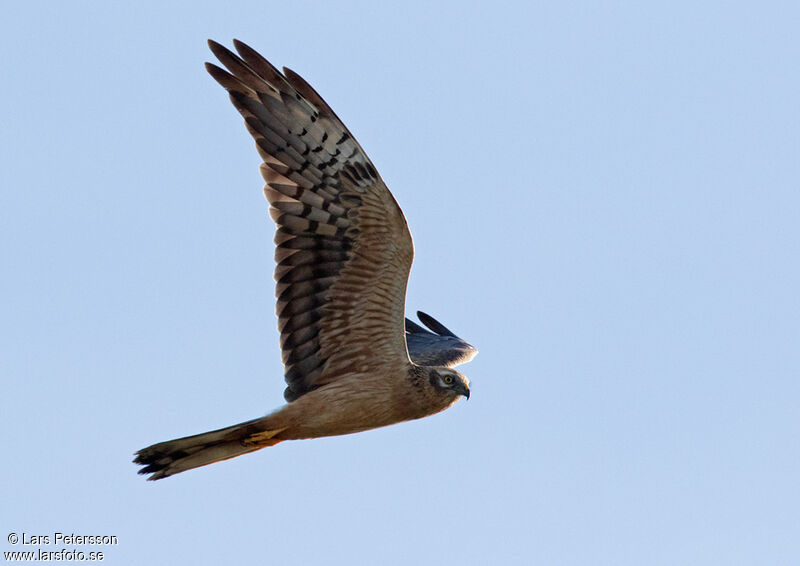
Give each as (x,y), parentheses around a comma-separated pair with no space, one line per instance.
(343,248)
(437,346)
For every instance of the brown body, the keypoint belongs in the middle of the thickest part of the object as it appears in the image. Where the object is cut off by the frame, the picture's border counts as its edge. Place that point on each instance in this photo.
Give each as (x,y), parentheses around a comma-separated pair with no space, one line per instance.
(358,403)
(343,253)
(353,404)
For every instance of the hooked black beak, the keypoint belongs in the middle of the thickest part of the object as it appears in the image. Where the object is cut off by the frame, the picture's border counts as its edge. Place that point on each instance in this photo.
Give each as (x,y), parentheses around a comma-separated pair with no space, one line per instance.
(463,390)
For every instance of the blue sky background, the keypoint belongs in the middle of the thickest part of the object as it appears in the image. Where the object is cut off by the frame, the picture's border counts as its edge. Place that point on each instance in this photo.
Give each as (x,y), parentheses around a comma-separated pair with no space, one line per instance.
(605,200)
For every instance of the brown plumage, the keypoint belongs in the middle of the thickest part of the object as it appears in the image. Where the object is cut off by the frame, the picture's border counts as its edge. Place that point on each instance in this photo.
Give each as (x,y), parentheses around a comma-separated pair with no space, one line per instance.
(343,254)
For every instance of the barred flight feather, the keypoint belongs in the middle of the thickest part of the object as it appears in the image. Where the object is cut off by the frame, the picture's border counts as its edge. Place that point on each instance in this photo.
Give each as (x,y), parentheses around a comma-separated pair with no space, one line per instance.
(343,250)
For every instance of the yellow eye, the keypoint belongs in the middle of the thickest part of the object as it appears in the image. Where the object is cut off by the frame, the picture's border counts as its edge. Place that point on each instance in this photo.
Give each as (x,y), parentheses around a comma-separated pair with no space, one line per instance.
(448,379)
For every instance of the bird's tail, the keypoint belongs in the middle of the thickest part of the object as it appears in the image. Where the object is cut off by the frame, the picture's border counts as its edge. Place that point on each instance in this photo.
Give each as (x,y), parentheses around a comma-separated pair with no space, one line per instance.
(174,456)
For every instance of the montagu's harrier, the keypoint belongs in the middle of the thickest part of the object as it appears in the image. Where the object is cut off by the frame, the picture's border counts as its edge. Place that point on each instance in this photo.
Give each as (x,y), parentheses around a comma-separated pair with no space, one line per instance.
(343,253)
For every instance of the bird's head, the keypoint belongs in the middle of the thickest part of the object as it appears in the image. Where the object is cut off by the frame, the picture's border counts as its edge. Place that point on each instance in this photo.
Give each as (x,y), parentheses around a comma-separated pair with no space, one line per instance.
(449,381)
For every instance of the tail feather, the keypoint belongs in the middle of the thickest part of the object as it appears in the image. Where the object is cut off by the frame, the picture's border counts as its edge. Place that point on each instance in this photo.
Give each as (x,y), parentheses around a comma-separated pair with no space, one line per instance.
(174,456)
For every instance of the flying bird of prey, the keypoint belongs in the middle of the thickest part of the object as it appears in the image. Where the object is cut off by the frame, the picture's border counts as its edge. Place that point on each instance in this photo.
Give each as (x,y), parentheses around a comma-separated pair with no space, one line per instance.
(343,253)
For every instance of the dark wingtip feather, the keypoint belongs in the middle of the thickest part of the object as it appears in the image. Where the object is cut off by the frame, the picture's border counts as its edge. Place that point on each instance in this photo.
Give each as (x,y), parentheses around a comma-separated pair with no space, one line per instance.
(415,328)
(291,74)
(434,324)
(245,50)
(218,49)
(220,75)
